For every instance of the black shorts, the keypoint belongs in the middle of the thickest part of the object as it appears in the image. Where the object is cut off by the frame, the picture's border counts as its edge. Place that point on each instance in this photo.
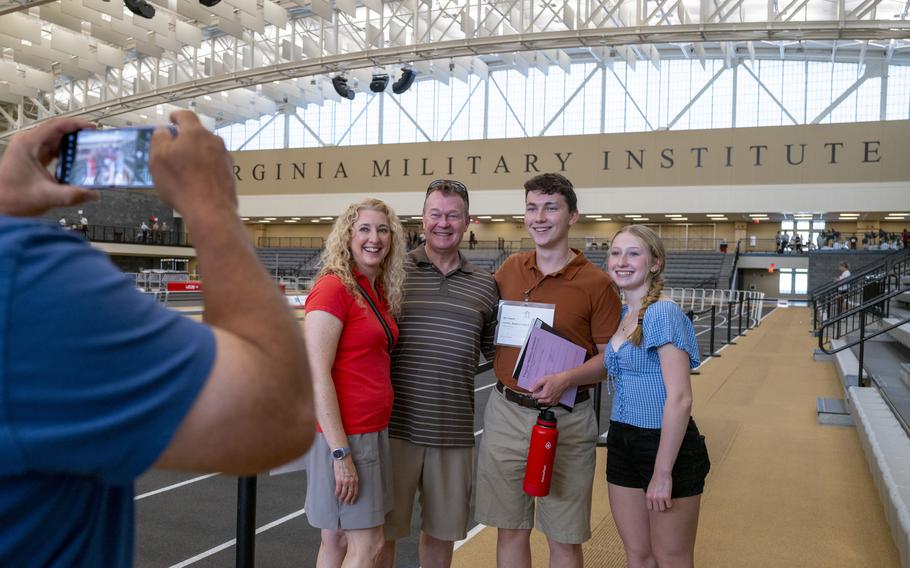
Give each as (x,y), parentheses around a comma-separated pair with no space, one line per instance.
(631,452)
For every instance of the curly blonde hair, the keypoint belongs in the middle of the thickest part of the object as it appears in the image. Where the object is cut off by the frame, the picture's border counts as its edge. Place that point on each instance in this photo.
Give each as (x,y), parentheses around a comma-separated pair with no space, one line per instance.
(337,258)
(655,283)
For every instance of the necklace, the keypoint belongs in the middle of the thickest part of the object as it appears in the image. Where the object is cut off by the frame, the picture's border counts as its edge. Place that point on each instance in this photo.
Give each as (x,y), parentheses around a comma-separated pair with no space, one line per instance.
(628,324)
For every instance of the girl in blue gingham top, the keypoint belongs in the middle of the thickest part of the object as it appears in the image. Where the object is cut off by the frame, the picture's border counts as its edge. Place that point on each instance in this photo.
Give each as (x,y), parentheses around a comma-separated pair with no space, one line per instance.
(656,458)
(638,385)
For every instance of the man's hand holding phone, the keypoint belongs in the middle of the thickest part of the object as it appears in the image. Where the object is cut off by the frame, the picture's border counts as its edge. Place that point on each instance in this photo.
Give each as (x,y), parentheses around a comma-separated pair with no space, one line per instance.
(26,186)
(192,169)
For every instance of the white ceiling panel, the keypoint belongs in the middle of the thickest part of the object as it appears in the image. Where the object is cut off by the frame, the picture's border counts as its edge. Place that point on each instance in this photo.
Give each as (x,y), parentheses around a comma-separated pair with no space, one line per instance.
(146,45)
(222,10)
(322,9)
(54,14)
(253,22)
(91,64)
(21,26)
(349,7)
(230,26)
(22,89)
(246,6)
(194,11)
(109,35)
(274,14)
(160,24)
(8,96)
(67,42)
(39,80)
(168,42)
(112,9)
(188,34)
(375,5)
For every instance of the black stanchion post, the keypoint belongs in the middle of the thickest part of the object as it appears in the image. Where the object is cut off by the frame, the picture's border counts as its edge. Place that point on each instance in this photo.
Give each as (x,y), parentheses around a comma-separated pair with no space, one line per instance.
(691,315)
(246,522)
(749,312)
(862,345)
(739,312)
(729,323)
(598,398)
(713,325)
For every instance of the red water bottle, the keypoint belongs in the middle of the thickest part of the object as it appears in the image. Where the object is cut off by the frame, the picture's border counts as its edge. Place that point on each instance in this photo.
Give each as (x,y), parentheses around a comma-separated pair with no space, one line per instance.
(541,454)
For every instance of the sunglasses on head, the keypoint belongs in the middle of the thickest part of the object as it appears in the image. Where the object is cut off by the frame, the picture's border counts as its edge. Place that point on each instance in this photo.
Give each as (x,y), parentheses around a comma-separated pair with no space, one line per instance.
(447,185)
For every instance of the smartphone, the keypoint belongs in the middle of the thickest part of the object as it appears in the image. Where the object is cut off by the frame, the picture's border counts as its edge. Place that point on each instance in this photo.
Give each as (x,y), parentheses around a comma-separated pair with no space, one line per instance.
(115,158)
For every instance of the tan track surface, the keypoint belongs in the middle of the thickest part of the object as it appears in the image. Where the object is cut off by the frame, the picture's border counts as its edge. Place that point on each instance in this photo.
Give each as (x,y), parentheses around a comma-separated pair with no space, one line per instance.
(783,490)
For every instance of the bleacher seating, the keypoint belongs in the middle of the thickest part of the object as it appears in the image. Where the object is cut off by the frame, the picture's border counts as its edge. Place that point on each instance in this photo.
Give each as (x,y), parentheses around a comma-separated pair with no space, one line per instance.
(598,257)
(487,259)
(289,261)
(695,269)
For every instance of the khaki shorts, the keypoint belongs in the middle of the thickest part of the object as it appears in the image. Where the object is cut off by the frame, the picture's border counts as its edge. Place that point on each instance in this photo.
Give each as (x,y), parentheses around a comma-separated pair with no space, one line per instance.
(565,514)
(374,472)
(443,477)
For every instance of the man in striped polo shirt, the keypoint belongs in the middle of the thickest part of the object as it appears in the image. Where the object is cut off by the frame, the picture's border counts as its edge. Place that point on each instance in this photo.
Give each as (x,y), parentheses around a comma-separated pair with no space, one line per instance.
(447,320)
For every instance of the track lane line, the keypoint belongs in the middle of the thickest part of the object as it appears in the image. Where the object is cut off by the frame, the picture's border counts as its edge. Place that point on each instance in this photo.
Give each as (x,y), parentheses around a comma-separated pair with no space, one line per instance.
(174,486)
(233,541)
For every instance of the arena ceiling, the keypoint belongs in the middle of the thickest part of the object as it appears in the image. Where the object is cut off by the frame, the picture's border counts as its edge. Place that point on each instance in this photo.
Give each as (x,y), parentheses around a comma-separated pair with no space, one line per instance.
(240,59)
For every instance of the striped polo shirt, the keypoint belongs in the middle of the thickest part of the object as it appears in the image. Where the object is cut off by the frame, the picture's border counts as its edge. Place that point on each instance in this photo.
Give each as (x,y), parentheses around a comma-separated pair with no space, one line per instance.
(446,321)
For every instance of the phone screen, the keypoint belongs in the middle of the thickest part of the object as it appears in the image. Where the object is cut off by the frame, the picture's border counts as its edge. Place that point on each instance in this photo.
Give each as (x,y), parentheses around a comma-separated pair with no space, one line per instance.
(114,158)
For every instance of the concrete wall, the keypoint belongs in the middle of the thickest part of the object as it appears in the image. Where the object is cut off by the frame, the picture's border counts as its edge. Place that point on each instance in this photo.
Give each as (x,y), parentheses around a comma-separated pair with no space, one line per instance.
(762,281)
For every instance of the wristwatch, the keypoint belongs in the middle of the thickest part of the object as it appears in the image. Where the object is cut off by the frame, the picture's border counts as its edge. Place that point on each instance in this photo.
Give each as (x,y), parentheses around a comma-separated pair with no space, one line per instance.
(341,453)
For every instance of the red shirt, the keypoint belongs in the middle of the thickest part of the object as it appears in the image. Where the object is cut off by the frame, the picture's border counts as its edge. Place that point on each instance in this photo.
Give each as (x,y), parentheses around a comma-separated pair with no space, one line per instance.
(362,362)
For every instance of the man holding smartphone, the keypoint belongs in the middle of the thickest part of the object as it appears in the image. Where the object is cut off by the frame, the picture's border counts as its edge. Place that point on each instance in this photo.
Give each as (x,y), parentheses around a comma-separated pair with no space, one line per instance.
(86,410)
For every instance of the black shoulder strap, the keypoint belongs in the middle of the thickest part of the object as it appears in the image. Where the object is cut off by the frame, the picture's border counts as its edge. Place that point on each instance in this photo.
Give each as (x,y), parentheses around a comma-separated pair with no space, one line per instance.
(385,326)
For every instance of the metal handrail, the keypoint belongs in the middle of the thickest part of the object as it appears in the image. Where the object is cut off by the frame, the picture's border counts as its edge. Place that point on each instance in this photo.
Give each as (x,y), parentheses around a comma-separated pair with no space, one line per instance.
(861,311)
(736,253)
(897,257)
(886,273)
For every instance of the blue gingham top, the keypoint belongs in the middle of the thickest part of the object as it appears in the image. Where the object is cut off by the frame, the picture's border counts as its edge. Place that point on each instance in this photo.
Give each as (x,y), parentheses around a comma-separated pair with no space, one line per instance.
(639,391)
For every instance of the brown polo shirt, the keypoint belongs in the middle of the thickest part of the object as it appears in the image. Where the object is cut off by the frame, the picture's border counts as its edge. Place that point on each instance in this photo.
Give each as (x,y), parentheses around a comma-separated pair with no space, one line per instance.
(587,307)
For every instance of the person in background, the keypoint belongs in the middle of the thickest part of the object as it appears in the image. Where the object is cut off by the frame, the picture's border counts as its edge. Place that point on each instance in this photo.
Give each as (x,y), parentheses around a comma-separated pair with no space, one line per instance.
(350,331)
(843,270)
(447,320)
(656,459)
(88,408)
(83,223)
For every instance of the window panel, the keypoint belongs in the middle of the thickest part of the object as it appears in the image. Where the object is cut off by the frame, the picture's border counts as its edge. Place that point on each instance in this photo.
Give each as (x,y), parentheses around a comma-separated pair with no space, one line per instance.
(631,100)
(785,285)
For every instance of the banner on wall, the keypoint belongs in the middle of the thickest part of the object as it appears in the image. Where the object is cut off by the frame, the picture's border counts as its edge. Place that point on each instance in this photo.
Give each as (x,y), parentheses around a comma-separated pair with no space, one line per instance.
(836,153)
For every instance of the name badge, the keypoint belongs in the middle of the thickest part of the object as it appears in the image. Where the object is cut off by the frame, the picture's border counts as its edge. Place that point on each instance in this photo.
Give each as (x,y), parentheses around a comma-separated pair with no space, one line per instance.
(516,319)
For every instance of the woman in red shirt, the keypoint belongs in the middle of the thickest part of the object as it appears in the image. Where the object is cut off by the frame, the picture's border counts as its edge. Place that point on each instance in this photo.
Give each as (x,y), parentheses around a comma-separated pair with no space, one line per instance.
(350,332)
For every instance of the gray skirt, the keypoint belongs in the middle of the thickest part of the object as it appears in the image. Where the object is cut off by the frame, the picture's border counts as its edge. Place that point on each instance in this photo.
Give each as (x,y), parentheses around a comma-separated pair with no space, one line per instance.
(374,471)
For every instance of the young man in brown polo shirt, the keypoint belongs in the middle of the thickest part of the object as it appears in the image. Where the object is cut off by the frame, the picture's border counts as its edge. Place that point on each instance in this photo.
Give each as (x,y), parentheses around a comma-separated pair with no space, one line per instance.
(587,313)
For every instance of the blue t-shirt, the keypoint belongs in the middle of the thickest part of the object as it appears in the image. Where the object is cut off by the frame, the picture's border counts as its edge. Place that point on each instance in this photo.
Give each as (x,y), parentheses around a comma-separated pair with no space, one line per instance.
(635,371)
(95,378)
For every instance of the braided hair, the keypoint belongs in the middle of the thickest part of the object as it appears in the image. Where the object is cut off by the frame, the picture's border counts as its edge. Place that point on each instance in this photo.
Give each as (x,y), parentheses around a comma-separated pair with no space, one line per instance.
(656,249)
